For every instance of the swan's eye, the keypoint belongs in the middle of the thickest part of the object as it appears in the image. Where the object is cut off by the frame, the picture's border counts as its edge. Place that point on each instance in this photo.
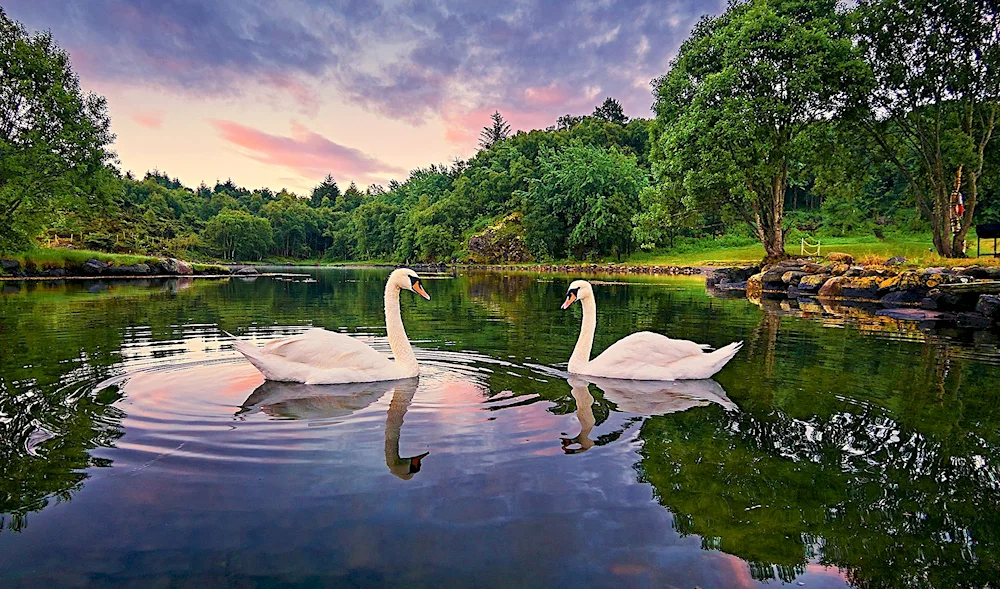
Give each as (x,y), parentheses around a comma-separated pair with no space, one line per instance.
(414,279)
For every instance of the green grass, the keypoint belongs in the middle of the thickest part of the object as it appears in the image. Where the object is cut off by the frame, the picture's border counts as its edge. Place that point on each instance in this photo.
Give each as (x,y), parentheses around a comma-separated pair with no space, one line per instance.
(913,247)
(46,258)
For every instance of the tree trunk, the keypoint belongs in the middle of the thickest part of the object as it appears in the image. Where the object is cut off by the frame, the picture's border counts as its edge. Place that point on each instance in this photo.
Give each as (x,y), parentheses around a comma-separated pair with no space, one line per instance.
(769,214)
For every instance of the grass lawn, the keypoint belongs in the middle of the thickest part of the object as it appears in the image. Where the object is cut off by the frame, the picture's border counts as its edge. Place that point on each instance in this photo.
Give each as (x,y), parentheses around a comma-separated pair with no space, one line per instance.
(48,258)
(916,249)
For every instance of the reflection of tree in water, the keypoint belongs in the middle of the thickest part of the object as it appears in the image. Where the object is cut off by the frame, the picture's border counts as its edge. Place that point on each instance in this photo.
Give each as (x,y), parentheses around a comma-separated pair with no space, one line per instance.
(45,439)
(895,501)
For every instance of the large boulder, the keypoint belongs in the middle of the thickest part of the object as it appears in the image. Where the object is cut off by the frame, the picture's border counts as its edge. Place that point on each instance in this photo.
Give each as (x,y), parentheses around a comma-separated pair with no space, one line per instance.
(731,275)
(840,257)
(168,266)
(501,243)
(183,268)
(989,305)
(860,287)
(755,286)
(914,279)
(10,266)
(982,272)
(831,288)
(247,271)
(903,298)
(129,270)
(839,269)
(811,284)
(94,267)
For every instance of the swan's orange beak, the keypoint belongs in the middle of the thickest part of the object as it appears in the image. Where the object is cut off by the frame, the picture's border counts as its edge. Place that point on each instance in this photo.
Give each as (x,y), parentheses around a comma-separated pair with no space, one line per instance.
(415,463)
(419,289)
(570,299)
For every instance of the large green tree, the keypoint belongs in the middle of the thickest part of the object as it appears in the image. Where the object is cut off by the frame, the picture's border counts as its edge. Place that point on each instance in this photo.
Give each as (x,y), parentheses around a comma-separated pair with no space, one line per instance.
(238,235)
(53,135)
(934,104)
(733,108)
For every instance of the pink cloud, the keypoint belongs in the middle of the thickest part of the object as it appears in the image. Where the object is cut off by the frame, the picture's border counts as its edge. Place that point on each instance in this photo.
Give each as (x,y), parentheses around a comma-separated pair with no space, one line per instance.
(308,154)
(462,125)
(545,95)
(151,119)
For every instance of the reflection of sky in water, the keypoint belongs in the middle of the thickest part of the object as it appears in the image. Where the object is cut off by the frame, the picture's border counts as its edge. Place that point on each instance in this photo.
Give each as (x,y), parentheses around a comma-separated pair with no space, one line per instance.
(210,483)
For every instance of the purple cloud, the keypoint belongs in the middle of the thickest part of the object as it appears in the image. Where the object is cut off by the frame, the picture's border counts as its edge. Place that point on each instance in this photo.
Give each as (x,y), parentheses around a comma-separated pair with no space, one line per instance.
(409,60)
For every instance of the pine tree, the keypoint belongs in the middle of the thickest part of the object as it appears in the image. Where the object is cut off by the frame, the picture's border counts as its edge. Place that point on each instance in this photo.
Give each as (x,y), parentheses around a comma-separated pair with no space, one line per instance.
(494,134)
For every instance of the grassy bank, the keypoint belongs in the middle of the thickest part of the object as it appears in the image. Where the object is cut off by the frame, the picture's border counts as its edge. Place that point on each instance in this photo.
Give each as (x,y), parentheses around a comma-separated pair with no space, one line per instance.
(916,249)
(42,259)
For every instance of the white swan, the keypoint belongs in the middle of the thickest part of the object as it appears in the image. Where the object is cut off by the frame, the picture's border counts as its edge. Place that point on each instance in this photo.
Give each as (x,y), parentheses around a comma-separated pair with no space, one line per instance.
(643,355)
(319,356)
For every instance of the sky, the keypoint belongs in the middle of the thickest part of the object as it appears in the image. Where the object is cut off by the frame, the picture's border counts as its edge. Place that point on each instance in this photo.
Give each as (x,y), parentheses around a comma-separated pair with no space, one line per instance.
(280,93)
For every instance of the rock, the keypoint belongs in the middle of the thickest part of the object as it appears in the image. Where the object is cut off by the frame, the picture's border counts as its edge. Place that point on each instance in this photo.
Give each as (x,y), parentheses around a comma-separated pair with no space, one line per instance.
(165,267)
(989,306)
(774,274)
(129,270)
(980,287)
(792,277)
(813,268)
(755,286)
(247,271)
(56,272)
(982,272)
(943,300)
(876,271)
(974,321)
(94,267)
(912,279)
(895,261)
(740,286)
(10,266)
(831,288)
(854,271)
(860,287)
(183,268)
(840,257)
(903,298)
(812,282)
(839,269)
(731,275)
(915,315)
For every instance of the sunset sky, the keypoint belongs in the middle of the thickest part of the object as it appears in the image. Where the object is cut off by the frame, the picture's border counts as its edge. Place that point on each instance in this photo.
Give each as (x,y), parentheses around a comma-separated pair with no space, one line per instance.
(279,93)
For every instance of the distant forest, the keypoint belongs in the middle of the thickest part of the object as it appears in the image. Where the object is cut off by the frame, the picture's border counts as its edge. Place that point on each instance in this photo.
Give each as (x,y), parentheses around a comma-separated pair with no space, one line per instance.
(777,119)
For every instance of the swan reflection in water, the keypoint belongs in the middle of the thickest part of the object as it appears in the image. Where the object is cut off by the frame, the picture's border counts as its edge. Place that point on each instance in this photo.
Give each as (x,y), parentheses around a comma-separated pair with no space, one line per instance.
(641,397)
(301,401)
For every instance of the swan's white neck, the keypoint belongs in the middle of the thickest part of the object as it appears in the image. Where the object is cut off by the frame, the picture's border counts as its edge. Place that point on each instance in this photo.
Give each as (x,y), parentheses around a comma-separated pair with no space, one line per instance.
(398,342)
(581,353)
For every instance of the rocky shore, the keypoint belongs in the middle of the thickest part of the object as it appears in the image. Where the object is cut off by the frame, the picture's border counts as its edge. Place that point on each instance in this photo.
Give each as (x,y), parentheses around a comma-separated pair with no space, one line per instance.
(96,268)
(592,268)
(968,296)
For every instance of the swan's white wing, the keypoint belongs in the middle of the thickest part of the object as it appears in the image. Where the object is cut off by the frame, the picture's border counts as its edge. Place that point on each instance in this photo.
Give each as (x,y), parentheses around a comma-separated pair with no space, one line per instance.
(646,347)
(322,349)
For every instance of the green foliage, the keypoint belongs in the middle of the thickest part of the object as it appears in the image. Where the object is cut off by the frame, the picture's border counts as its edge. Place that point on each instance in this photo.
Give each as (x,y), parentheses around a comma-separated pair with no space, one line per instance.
(493,134)
(735,105)
(238,235)
(583,203)
(53,136)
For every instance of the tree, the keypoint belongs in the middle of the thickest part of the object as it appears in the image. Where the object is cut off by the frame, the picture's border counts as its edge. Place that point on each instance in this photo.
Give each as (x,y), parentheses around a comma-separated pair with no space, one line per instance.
(491,135)
(583,203)
(933,109)
(611,111)
(327,189)
(52,134)
(238,235)
(732,109)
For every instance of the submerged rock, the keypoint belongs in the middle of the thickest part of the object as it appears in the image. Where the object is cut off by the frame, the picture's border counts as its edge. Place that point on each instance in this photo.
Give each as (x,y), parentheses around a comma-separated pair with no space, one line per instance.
(989,306)
(974,321)
(916,315)
(902,298)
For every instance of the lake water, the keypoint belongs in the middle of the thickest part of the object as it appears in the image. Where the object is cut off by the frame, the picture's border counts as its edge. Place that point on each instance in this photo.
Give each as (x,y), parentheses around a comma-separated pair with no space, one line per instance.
(139,449)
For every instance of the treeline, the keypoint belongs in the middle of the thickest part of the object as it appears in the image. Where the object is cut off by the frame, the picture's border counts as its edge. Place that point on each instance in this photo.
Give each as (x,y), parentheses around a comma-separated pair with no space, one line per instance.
(777,118)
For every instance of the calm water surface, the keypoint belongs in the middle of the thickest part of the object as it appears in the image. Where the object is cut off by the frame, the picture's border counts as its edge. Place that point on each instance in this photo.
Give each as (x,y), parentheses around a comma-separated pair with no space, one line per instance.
(139,449)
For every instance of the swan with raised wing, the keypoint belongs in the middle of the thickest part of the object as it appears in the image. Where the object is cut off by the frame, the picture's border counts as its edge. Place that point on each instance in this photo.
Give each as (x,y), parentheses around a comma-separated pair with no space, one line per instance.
(318,356)
(640,356)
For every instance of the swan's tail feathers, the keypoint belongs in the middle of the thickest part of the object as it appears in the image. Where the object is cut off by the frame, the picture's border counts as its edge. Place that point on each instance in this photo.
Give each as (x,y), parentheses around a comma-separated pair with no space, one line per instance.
(252,353)
(720,357)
